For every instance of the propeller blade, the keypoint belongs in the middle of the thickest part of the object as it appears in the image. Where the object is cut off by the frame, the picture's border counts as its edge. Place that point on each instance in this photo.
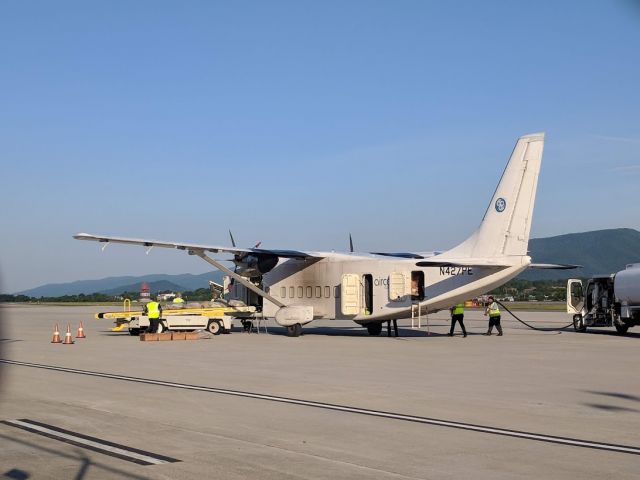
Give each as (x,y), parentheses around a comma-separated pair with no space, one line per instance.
(233,242)
(350,243)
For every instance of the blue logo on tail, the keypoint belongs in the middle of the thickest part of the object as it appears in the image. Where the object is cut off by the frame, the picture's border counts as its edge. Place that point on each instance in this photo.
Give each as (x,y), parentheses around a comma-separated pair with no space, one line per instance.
(501,204)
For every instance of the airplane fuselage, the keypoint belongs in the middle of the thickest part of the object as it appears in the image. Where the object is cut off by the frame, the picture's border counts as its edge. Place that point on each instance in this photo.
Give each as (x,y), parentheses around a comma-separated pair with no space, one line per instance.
(377,289)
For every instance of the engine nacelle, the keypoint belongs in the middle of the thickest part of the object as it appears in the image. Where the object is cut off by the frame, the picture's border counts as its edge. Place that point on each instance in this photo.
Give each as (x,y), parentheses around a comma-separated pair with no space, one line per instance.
(288,316)
(254,265)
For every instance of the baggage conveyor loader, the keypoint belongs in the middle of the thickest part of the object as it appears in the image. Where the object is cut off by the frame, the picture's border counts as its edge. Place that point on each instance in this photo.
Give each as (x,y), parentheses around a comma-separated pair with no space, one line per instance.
(216,319)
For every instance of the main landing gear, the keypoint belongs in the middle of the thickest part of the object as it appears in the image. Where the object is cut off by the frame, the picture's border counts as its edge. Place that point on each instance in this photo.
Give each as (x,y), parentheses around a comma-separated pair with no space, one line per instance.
(375,328)
(294,330)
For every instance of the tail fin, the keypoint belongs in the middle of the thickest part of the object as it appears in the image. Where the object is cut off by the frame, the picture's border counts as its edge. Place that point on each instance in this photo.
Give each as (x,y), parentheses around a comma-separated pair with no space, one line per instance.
(506,224)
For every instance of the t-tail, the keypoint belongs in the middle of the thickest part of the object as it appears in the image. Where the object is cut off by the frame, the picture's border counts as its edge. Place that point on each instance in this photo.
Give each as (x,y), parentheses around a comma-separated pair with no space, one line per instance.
(504,231)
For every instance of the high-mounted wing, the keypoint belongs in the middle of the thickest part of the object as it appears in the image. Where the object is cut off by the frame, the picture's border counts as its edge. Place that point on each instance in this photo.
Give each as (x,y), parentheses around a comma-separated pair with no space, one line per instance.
(194,247)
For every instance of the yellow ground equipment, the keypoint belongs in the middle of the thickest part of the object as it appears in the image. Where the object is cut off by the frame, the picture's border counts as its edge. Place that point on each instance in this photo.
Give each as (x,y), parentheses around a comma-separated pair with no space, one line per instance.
(122,318)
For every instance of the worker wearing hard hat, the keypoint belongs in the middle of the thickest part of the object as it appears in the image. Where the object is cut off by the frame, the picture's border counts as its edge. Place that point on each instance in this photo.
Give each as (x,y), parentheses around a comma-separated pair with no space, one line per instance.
(457,315)
(494,316)
(153,310)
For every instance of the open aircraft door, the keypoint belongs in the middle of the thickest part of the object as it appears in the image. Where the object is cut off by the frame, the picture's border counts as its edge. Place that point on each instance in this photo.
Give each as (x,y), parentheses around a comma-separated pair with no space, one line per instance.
(575,296)
(350,294)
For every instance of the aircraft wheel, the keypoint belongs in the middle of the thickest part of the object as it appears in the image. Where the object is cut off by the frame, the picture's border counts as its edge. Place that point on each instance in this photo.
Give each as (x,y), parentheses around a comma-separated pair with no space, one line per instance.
(578,324)
(134,331)
(374,328)
(294,330)
(622,329)
(214,327)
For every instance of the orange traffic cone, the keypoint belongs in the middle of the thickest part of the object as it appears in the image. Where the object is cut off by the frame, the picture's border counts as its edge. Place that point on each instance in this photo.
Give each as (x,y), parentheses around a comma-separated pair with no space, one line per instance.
(67,336)
(80,333)
(56,335)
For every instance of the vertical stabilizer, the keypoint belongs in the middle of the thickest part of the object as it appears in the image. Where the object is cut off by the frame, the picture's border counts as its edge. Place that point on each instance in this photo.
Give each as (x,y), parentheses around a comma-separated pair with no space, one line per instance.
(506,224)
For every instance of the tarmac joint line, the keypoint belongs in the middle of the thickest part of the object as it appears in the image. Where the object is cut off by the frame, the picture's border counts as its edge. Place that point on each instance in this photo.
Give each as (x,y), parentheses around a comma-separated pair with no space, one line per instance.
(123,452)
(568,441)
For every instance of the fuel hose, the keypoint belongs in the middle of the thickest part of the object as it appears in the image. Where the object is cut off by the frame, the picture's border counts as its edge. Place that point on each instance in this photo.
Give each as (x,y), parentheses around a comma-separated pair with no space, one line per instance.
(556,329)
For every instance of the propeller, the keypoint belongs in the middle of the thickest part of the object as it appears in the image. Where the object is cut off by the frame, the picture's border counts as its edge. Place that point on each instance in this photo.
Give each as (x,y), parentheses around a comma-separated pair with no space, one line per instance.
(350,243)
(240,257)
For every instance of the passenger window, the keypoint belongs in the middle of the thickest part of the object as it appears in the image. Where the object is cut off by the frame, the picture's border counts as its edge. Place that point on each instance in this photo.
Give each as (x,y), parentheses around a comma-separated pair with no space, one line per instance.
(327,292)
(318,292)
(283,292)
(309,292)
(300,292)
(292,292)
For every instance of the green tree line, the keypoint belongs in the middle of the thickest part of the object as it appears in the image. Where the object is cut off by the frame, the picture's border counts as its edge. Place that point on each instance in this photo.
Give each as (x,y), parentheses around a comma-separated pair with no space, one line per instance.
(200,294)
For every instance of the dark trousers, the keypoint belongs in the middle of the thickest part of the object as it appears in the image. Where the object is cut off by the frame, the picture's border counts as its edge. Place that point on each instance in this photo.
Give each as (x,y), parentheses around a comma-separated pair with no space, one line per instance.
(154,323)
(495,321)
(457,318)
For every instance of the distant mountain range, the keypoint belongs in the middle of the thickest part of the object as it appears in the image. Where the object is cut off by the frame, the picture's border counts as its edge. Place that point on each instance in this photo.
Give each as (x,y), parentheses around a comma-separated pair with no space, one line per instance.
(599,252)
(115,285)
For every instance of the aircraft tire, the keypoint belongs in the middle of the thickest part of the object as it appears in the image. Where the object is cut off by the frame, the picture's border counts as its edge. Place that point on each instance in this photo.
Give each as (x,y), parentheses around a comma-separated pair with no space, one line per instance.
(578,324)
(294,330)
(134,332)
(374,328)
(622,329)
(214,327)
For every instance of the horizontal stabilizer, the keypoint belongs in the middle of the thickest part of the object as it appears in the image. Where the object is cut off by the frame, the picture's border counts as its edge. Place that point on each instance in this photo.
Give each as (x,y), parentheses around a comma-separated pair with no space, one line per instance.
(399,254)
(465,262)
(553,266)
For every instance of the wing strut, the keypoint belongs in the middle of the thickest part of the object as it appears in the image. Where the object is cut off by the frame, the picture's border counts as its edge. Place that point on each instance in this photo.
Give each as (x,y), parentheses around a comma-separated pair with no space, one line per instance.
(236,277)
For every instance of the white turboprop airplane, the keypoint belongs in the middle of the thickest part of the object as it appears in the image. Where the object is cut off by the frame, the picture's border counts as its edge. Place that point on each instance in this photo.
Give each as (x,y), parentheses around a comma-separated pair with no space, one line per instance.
(297,287)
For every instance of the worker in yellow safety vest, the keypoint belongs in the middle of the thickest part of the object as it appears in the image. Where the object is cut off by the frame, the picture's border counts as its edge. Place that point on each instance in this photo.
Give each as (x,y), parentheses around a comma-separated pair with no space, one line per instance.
(457,315)
(494,316)
(153,310)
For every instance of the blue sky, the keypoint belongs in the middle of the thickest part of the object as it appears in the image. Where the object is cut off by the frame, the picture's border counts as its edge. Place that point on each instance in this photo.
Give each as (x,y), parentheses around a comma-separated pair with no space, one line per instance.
(295,123)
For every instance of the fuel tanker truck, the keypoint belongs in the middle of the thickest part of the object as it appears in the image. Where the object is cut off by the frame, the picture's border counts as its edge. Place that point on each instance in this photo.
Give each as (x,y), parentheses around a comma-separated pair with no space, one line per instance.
(608,301)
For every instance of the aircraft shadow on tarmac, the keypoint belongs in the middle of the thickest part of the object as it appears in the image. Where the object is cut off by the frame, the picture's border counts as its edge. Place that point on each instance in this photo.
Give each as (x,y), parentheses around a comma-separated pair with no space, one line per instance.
(624,397)
(326,331)
(621,396)
(609,408)
(85,462)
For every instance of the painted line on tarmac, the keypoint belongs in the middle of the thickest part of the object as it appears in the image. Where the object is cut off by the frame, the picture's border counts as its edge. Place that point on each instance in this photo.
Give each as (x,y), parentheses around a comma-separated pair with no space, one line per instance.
(123,452)
(574,442)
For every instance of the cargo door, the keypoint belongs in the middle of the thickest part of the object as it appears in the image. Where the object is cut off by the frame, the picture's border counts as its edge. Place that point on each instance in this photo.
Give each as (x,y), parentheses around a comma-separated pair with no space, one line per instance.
(350,294)
(575,296)
(397,284)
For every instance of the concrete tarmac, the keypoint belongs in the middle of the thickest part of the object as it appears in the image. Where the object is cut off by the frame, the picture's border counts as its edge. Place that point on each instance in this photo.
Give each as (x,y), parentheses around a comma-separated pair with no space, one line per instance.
(194,401)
